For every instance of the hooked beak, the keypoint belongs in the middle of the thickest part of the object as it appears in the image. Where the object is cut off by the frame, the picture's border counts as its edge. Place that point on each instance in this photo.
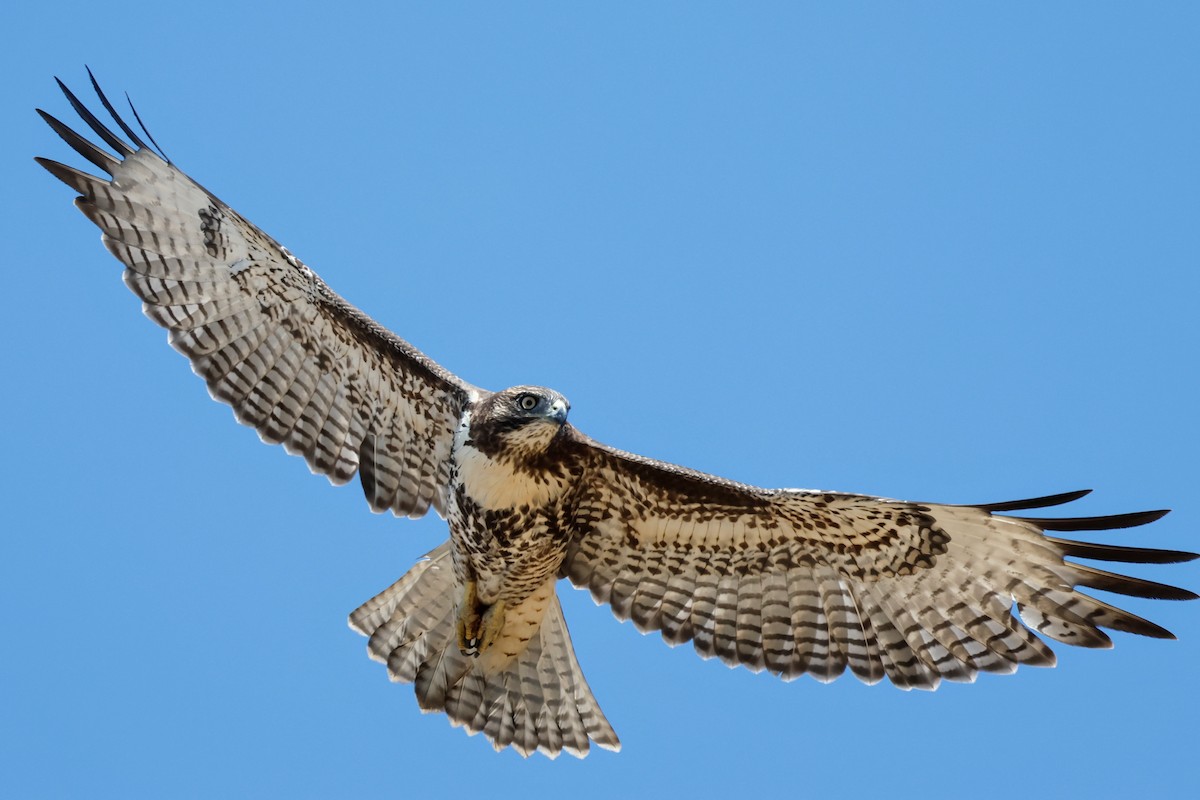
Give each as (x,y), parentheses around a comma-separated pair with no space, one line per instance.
(558,411)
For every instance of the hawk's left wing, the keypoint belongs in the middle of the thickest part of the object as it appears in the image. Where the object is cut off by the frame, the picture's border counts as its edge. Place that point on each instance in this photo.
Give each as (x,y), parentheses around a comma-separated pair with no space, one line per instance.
(796,581)
(294,360)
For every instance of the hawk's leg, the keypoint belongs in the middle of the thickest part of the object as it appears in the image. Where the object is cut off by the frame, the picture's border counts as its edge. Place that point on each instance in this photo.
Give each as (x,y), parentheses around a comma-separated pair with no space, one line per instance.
(479,624)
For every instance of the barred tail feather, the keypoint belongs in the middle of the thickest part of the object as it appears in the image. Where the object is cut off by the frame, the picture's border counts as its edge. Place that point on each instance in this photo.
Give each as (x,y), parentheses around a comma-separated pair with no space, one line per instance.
(535,699)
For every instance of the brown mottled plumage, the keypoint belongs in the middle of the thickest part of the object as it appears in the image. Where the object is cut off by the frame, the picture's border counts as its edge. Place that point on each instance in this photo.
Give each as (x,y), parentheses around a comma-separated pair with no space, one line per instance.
(788,580)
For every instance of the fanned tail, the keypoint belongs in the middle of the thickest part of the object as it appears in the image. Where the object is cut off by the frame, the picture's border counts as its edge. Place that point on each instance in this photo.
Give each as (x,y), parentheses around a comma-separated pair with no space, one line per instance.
(536,700)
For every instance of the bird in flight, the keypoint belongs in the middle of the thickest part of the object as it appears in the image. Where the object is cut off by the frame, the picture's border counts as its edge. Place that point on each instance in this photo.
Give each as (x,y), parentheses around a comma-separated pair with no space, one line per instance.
(791,581)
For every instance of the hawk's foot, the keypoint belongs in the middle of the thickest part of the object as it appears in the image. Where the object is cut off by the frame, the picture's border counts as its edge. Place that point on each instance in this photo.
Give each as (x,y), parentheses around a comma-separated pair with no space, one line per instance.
(479,625)
(469,621)
(493,624)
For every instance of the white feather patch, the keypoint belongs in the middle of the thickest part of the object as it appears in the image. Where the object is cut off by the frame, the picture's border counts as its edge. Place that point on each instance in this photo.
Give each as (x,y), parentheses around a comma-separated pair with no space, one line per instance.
(496,484)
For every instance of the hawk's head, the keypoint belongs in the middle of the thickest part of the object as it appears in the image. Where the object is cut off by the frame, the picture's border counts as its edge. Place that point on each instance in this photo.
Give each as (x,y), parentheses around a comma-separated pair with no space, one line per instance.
(518,422)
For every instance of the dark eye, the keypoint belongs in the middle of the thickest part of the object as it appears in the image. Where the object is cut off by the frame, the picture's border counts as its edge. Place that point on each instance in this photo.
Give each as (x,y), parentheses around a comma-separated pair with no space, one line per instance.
(527,402)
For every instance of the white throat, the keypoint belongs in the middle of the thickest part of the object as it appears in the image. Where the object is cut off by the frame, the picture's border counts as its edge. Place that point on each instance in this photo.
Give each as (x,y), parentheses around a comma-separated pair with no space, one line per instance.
(496,485)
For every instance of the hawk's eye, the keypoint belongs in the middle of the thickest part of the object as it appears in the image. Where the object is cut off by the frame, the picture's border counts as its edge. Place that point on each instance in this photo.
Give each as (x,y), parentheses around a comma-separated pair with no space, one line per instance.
(527,402)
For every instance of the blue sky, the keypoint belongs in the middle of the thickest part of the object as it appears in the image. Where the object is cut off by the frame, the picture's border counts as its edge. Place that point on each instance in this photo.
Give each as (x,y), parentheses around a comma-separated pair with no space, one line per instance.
(942,252)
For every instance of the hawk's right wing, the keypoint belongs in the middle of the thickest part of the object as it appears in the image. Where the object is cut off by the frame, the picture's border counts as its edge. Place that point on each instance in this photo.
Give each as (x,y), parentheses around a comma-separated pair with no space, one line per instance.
(294,360)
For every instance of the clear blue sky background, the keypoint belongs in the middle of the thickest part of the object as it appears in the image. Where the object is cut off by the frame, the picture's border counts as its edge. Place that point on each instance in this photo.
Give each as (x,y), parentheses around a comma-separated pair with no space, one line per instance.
(931,251)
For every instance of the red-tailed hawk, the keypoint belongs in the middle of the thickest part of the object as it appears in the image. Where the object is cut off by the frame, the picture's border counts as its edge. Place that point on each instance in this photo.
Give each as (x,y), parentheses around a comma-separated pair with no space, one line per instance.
(792,581)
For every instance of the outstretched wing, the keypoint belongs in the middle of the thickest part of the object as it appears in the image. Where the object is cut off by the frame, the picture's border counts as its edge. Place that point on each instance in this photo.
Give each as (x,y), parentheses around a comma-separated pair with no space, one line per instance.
(294,360)
(796,581)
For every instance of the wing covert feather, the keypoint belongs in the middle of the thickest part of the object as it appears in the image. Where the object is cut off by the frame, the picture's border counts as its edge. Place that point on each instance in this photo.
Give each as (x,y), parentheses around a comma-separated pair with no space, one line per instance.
(293,359)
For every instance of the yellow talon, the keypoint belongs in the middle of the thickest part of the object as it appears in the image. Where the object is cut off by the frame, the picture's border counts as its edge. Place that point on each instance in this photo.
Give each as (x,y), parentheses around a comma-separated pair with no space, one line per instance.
(479,625)
(469,621)
(493,624)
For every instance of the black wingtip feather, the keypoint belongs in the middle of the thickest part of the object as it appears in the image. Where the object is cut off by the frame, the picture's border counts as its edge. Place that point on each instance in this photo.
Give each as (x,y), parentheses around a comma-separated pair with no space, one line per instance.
(1111,552)
(1144,627)
(76,179)
(95,124)
(130,132)
(1124,584)
(103,160)
(1105,523)
(1036,502)
(146,130)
